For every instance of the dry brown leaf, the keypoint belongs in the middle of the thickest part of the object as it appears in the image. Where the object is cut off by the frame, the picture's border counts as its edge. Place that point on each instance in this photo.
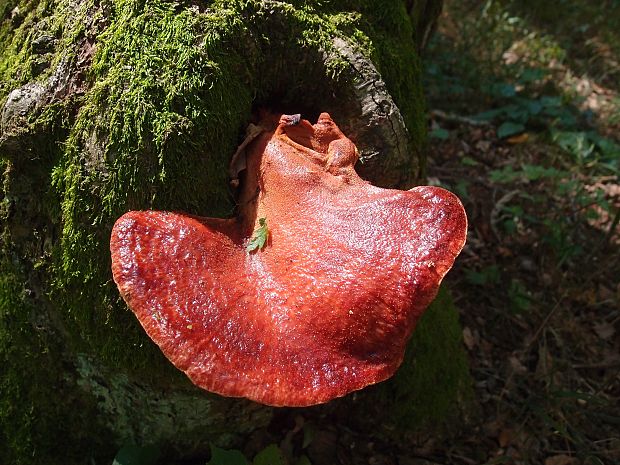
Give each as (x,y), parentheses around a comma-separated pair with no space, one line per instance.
(504,251)
(520,139)
(483,145)
(469,338)
(561,460)
(516,365)
(545,362)
(506,437)
(604,330)
(605,293)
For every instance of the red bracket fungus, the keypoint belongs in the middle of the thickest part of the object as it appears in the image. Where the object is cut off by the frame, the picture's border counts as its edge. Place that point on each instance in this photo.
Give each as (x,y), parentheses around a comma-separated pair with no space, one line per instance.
(324,301)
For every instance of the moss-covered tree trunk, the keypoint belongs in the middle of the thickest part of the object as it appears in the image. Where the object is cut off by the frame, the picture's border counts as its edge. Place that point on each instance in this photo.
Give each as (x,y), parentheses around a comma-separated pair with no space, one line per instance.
(112,105)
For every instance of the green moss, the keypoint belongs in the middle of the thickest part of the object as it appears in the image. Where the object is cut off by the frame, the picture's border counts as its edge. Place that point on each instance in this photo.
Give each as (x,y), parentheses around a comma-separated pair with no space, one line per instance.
(21,62)
(432,390)
(434,383)
(14,403)
(15,41)
(33,429)
(155,131)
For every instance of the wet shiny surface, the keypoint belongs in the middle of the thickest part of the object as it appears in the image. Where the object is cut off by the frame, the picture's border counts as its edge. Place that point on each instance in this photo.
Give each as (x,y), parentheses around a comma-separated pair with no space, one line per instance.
(325,308)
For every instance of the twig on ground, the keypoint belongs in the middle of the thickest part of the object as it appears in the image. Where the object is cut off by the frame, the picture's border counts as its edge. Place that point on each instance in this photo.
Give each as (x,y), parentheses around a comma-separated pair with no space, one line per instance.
(497,209)
(544,323)
(600,365)
(452,118)
(612,227)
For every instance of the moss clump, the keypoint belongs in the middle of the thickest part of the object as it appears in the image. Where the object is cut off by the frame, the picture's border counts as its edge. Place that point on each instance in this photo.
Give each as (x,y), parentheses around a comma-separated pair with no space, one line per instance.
(434,385)
(15,40)
(36,427)
(36,37)
(432,390)
(165,98)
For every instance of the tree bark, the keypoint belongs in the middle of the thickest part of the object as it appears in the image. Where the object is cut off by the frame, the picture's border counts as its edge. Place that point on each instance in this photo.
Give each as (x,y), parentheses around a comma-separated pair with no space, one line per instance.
(112,105)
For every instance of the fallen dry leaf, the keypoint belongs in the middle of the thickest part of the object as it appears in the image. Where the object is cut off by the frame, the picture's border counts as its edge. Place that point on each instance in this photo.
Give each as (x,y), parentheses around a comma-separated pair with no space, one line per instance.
(506,437)
(604,330)
(516,365)
(521,138)
(469,338)
(561,460)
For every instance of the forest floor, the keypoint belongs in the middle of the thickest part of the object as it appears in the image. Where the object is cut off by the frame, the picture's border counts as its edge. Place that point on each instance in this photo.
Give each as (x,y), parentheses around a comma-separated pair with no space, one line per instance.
(524,108)
(525,120)
(524,112)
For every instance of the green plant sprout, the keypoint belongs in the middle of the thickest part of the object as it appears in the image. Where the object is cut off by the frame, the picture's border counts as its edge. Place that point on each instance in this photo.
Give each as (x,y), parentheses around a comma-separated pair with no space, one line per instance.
(259,239)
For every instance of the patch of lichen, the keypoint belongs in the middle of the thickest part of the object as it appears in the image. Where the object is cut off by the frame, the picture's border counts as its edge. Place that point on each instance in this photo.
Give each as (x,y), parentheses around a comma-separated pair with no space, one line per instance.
(432,390)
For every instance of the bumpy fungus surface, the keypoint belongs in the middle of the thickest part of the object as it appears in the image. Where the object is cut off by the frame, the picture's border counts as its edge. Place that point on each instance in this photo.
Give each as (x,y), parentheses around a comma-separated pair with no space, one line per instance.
(325,306)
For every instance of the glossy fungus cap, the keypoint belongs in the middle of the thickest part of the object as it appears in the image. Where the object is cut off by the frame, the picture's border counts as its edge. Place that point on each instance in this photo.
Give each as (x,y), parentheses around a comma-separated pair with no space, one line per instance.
(312,291)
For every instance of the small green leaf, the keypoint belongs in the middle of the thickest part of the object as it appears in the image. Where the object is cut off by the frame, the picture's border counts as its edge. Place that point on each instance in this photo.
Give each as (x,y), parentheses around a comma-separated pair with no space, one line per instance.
(532,106)
(576,143)
(492,114)
(440,133)
(536,172)
(303,460)
(608,147)
(270,455)
(468,161)
(261,234)
(509,128)
(551,102)
(503,90)
(519,297)
(532,75)
(506,174)
(226,457)
(136,455)
(308,435)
